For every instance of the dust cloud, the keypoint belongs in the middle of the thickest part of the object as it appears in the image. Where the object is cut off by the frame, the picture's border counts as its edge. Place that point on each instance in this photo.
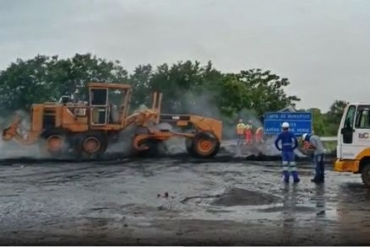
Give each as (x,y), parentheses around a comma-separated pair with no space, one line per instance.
(12,148)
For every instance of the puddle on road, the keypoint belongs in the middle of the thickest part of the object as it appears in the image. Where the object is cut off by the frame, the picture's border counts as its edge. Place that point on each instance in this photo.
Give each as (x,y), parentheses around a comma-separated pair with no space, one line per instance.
(238,196)
(233,197)
(244,205)
(265,213)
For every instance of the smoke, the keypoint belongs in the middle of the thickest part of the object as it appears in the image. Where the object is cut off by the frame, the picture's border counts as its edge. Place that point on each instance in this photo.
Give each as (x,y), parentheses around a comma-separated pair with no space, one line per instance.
(12,148)
(201,103)
(204,104)
(124,143)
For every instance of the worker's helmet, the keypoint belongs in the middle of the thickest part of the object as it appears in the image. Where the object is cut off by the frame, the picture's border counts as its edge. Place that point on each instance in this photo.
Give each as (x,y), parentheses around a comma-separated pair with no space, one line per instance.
(285,125)
(304,136)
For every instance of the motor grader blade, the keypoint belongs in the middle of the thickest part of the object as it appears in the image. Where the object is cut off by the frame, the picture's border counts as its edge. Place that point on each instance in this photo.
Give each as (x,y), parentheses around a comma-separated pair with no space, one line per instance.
(157,136)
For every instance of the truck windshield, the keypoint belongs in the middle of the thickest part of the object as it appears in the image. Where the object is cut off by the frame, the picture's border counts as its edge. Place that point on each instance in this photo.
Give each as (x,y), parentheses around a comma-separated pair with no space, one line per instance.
(363,117)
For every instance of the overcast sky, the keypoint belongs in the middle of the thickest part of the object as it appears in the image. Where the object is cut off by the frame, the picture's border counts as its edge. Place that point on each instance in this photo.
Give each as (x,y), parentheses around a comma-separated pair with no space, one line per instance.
(323,47)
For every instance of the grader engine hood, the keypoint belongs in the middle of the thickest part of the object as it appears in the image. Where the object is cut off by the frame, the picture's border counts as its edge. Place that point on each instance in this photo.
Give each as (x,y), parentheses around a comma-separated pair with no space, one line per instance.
(201,123)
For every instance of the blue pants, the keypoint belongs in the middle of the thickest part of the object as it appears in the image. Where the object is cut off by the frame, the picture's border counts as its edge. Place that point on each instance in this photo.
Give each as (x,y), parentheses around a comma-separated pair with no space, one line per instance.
(319,167)
(289,166)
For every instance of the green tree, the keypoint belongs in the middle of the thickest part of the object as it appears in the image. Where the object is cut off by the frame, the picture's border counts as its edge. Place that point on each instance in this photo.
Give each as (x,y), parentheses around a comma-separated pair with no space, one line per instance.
(26,82)
(46,78)
(233,95)
(267,90)
(256,90)
(186,86)
(319,125)
(333,117)
(336,110)
(141,83)
(72,74)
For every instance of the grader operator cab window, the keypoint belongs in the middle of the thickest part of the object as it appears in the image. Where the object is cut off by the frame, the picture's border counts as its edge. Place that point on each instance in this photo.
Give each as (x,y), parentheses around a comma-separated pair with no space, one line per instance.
(99,106)
(116,99)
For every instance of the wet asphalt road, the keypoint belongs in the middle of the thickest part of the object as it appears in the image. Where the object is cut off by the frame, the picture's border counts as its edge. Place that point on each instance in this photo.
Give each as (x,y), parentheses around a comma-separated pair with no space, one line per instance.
(215,203)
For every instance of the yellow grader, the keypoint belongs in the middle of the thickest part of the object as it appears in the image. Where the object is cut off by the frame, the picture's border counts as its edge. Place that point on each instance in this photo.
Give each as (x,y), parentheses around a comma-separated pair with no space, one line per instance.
(88,128)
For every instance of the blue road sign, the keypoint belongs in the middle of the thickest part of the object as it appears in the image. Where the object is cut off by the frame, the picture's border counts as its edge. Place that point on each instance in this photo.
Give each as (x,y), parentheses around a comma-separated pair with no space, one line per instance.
(300,122)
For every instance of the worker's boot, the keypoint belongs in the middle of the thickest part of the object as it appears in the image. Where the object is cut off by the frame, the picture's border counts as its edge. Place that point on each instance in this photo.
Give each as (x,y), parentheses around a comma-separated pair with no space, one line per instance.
(317,180)
(295,177)
(286,176)
(319,176)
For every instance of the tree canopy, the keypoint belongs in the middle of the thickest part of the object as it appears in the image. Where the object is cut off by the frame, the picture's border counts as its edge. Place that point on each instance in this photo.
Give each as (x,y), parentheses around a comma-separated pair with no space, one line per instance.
(187,87)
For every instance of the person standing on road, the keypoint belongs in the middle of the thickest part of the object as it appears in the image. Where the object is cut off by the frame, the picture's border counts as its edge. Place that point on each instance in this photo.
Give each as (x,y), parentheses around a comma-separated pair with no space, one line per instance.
(259,135)
(315,144)
(287,150)
(249,133)
(240,132)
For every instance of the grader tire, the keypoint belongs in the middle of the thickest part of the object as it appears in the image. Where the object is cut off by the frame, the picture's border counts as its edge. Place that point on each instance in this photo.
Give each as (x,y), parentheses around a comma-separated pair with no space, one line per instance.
(92,145)
(53,142)
(204,145)
(365,175)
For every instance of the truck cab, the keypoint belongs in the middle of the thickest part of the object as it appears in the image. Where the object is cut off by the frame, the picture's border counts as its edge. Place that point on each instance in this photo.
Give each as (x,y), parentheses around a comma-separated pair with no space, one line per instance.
(353,146)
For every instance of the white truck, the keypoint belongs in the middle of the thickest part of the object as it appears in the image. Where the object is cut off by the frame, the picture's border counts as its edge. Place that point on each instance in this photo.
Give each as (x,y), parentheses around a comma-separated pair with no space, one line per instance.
(353,148)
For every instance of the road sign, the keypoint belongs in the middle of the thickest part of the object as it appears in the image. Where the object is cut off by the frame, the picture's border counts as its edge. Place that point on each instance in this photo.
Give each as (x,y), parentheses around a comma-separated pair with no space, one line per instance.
(300,122)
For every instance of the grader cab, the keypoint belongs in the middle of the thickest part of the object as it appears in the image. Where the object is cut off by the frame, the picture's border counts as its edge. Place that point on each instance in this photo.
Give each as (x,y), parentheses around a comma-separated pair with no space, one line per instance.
(87,128)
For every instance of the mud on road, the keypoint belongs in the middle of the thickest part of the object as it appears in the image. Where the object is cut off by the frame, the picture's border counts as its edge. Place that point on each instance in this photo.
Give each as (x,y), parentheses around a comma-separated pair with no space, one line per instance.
(171,201)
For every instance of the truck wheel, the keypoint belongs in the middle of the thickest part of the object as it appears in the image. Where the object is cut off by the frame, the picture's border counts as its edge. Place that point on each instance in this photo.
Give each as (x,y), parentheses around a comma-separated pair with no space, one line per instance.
(53,142)
(365,175)
(205,145)
(93,145)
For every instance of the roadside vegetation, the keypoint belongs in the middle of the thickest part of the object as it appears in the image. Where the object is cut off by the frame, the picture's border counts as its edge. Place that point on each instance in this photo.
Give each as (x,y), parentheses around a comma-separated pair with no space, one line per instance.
(187,86)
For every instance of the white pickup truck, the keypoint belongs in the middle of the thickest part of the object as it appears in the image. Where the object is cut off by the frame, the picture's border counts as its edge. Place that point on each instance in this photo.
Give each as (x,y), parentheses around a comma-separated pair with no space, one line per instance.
(353,148)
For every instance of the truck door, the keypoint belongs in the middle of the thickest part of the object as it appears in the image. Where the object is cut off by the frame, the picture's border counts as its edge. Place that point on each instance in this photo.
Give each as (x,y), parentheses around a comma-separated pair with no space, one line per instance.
(346,134)
(355,133)
(361,134)
(99,106)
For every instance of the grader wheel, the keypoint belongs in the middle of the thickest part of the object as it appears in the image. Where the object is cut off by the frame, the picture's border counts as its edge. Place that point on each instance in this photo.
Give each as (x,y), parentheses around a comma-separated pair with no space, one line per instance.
(203,145)
(92,145)
(53,142)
